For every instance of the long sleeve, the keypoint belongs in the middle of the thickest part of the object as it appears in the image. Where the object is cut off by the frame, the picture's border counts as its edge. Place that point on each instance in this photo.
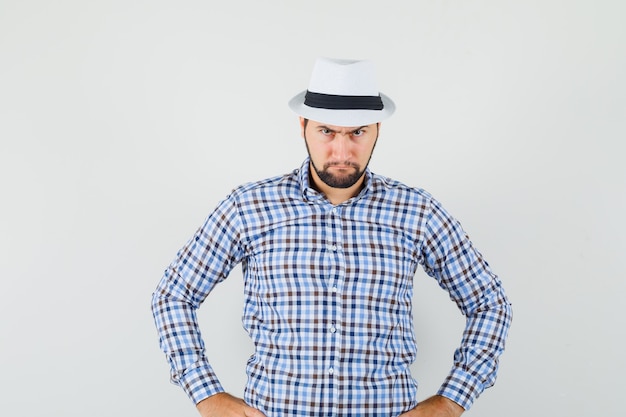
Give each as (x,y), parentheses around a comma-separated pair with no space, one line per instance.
(460,269)
(204,261)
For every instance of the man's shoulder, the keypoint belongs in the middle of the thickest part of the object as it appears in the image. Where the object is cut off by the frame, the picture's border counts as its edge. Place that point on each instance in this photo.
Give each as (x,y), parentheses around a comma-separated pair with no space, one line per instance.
(271,186)
(381,183)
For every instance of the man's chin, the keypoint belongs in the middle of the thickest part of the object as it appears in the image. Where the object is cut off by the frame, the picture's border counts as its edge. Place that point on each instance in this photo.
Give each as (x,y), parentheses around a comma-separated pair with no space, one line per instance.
(339,181)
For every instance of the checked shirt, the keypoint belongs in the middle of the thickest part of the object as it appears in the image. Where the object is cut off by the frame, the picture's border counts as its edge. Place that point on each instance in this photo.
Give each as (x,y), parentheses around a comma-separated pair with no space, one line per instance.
(328,293)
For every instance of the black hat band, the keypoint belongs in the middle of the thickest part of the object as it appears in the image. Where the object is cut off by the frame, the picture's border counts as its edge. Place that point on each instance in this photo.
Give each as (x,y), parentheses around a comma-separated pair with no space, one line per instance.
(337,102)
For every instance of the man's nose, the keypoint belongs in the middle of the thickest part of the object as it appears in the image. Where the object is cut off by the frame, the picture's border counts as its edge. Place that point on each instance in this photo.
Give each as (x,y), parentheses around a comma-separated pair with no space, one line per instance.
(341,149)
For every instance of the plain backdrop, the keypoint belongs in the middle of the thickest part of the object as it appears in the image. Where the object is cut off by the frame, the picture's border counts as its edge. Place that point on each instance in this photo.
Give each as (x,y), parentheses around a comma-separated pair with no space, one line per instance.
(123,123)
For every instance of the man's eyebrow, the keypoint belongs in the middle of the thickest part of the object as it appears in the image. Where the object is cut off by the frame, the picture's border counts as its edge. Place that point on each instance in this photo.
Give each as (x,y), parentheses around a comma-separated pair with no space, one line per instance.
(335,131)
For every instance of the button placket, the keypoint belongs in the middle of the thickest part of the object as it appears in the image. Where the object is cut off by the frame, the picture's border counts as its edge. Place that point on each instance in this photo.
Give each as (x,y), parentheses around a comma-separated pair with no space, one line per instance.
(334,240)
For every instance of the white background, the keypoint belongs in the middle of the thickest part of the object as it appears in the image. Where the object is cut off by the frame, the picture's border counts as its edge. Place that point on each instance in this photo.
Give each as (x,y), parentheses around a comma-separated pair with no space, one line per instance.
(123,123)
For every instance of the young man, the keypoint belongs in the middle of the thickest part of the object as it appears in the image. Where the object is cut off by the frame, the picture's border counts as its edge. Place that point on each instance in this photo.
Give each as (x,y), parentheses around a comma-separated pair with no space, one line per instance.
(329,253)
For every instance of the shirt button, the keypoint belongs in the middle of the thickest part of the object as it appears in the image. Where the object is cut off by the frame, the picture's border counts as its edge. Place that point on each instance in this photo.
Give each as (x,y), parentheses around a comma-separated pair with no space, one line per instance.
(334,288)
(333,329)
(333,248)
(331,371)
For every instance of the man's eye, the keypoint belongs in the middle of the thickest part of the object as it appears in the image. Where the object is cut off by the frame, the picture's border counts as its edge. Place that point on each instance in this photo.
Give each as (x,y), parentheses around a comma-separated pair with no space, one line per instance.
(358,132)
(325,131)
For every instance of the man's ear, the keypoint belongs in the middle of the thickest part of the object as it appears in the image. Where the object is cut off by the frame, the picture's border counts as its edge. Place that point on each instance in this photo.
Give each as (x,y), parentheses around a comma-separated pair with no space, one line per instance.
(302,126)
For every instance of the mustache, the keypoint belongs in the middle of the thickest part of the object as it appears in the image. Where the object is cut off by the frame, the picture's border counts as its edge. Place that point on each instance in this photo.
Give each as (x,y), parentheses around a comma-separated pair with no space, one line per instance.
(345,163)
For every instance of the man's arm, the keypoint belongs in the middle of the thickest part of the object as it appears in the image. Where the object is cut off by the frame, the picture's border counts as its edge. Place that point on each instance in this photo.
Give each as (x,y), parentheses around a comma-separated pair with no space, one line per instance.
(206,259)
(450,257)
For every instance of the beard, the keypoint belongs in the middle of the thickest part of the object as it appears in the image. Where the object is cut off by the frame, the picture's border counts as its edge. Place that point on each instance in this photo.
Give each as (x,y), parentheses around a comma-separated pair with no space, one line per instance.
(339,181)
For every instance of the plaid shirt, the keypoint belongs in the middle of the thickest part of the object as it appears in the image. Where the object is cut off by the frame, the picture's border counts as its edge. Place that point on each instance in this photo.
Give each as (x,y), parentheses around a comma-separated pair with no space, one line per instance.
(328,293)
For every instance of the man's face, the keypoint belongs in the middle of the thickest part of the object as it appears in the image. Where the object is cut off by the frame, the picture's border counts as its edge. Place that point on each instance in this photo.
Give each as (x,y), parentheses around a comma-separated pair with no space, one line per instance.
(339,154)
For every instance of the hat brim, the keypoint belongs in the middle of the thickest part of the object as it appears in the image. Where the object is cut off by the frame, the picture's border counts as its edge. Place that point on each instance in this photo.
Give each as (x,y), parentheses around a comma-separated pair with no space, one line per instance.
(342,117)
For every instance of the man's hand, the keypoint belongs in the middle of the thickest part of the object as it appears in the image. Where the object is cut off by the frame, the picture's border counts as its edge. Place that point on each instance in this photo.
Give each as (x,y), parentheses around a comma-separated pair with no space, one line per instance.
(225,405)
(436,406)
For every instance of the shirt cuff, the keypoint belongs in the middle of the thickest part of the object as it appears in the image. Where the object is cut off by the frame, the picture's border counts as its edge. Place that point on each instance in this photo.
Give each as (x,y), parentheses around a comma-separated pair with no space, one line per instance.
(461,387)
(199,383)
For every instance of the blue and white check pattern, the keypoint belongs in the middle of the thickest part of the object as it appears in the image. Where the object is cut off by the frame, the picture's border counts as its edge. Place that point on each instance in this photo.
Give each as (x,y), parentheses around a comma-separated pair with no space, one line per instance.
(328,293)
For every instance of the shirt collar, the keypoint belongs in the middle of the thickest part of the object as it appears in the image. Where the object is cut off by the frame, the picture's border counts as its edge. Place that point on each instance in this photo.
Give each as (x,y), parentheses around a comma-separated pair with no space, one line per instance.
(312,195)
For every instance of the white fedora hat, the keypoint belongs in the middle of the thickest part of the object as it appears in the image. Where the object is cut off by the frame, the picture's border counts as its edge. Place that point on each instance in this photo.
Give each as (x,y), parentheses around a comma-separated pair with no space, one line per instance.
(343,93)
